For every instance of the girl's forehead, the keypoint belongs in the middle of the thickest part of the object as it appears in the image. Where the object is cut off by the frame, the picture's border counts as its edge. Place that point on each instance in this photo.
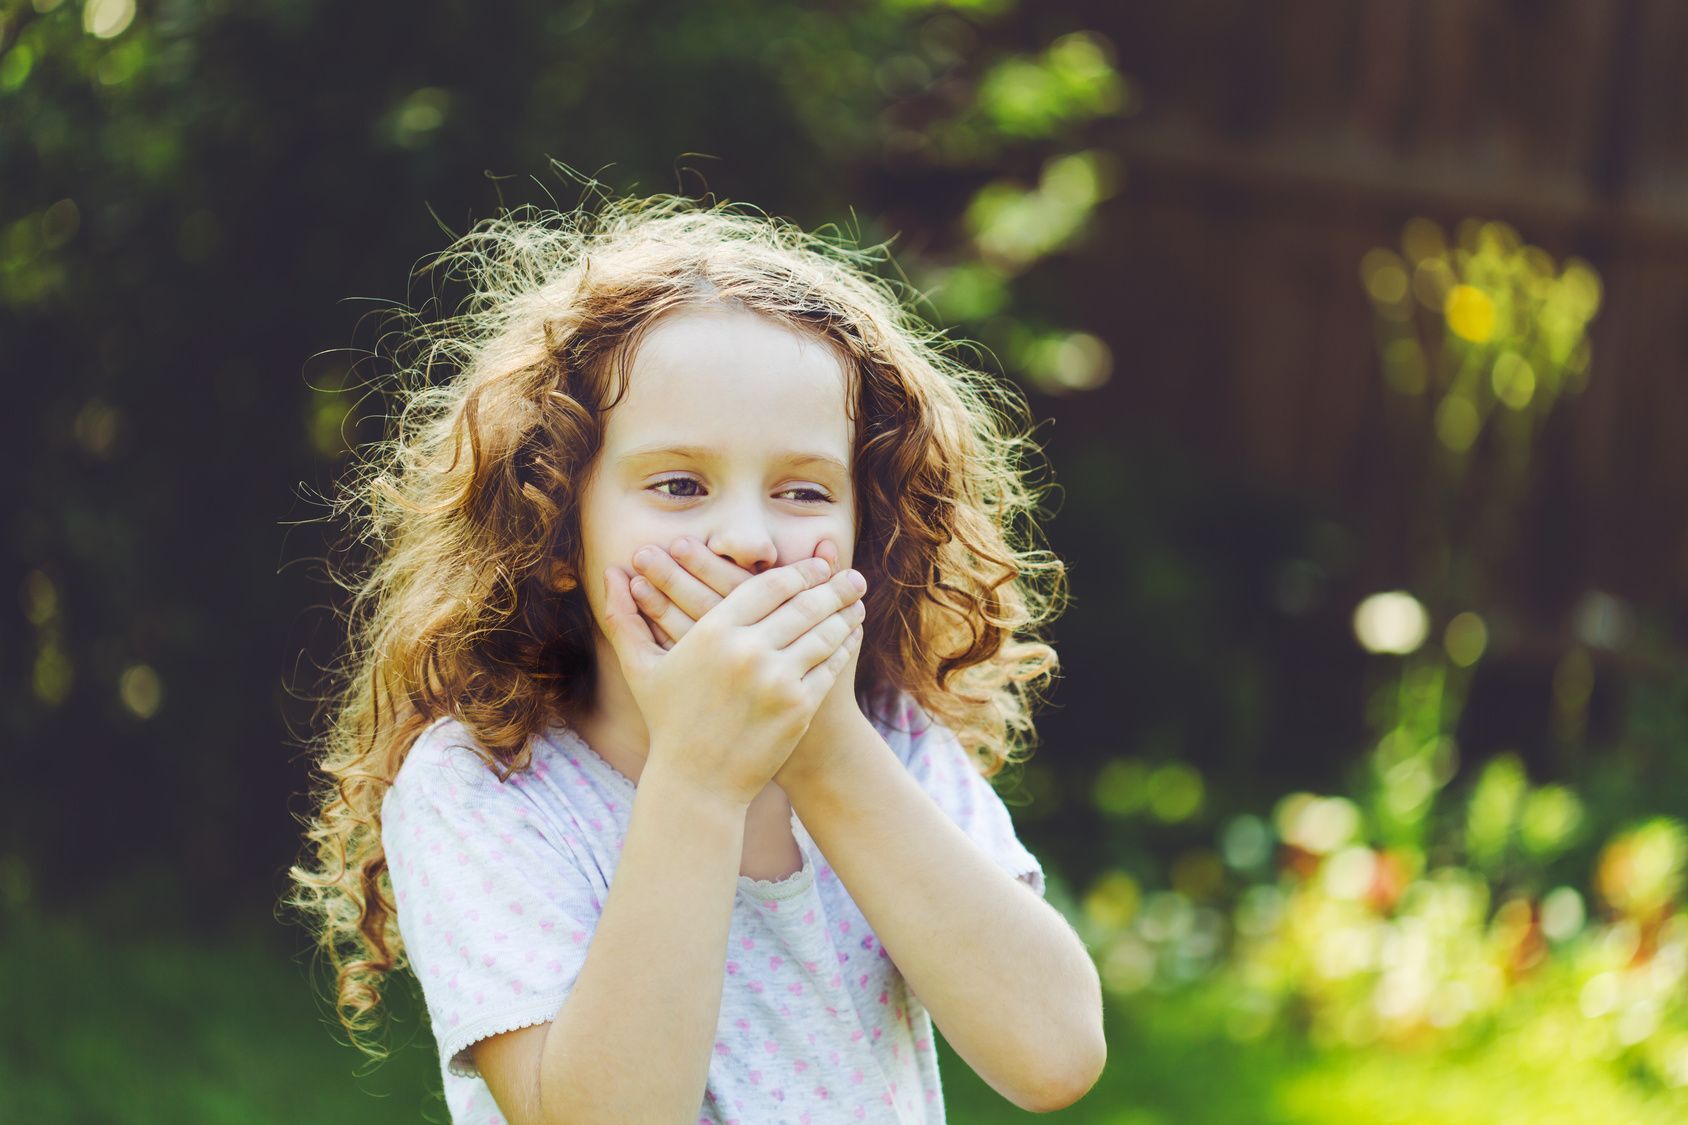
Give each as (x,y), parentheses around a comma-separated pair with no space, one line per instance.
(714,336)
(722,377)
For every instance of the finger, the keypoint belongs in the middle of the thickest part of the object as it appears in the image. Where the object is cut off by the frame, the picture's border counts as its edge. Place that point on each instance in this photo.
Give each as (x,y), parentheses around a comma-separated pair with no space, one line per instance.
(763,593)
(828,550)
(662,638)
(822,676)
(810,607)
(659,610)
(826,636)
(719,574)
(678,585)
(626,631)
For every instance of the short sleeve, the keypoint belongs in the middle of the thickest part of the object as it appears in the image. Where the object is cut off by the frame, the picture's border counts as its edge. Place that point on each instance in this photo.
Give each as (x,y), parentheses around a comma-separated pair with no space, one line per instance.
(936,760)
(495,917)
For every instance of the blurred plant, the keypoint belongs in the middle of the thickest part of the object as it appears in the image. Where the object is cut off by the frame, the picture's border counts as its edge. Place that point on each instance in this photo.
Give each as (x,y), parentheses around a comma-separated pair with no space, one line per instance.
(1037,103)
(1355,945)
(1401,915)
(1640,877)
(1487,333)
(1481,338)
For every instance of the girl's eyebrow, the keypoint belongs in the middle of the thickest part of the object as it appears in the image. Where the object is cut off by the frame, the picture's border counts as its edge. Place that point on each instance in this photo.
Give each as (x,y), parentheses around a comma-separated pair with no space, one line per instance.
(705,453)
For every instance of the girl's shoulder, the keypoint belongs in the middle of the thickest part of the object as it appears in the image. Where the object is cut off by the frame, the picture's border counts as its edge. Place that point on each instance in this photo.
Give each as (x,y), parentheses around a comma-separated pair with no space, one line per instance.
(446,756)
(445,751)
(448,784)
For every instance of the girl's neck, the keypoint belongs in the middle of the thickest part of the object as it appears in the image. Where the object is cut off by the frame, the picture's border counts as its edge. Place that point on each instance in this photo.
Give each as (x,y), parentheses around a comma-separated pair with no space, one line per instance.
(610,722)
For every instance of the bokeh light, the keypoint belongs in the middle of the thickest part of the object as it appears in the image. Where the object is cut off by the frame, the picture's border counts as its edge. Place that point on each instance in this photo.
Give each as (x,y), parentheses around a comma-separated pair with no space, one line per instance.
(106,19)
(1391,622)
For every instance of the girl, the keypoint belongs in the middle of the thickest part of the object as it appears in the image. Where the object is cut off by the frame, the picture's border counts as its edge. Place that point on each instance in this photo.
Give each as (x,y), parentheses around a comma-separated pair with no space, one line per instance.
(714,841)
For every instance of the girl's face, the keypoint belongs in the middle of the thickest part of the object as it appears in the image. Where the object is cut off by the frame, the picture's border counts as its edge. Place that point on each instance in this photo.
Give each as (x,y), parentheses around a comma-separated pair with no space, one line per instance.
(732,431)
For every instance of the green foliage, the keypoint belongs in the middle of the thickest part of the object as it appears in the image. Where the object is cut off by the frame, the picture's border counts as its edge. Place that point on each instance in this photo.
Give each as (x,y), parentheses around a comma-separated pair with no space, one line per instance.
(1074,79)
(1419,927)
(1450,930)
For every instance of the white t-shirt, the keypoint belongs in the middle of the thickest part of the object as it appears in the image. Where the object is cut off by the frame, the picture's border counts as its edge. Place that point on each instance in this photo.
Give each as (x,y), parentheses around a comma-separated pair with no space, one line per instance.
(499,887)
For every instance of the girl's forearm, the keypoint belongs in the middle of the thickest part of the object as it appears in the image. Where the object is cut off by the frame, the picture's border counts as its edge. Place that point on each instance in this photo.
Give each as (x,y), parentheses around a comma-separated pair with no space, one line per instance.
(932,896)
(635,1038)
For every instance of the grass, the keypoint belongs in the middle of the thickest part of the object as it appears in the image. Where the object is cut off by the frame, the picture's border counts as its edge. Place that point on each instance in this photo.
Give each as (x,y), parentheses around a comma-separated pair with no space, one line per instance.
(107,1024)
(111,1022)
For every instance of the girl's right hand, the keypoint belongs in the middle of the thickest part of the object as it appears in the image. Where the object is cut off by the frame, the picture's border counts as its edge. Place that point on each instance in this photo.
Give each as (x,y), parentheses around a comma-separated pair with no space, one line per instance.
(726,705)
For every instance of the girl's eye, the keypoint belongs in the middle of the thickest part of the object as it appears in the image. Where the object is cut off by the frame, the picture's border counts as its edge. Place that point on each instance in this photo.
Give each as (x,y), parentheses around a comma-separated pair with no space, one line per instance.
(674,480)
(812,495)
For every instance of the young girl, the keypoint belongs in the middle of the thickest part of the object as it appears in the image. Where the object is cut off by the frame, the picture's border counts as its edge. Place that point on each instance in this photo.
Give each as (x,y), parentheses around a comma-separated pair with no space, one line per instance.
(703,606)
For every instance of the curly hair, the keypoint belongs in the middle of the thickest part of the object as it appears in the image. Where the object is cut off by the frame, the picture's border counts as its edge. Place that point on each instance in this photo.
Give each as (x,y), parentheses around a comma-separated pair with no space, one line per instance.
(469,603)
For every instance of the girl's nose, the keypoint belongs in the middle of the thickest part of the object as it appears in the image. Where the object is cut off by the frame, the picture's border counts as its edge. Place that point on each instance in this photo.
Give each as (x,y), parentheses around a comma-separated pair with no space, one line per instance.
(745,542)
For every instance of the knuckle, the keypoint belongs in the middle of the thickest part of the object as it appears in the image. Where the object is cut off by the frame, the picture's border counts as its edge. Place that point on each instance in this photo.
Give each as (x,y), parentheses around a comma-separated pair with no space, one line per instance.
(804,605)
(828,599)
(759,669)
(778,689)
(737,654)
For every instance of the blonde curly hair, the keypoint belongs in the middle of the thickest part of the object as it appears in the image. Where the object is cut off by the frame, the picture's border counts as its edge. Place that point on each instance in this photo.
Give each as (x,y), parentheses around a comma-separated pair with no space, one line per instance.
(469,603)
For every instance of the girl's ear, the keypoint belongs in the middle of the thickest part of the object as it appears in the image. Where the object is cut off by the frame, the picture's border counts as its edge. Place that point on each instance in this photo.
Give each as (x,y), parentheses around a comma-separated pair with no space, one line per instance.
(557,575)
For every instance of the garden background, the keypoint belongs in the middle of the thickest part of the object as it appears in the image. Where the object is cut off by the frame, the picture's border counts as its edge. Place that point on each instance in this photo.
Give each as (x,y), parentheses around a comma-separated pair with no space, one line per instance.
(1355,335)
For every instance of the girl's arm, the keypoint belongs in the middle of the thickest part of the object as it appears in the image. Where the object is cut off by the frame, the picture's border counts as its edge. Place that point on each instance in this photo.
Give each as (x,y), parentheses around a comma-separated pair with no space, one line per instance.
(634,1038)
(1002,974)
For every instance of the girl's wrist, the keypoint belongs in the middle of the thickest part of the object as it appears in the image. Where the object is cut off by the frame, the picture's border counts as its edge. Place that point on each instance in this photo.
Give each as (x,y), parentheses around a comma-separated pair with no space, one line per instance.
(675,786)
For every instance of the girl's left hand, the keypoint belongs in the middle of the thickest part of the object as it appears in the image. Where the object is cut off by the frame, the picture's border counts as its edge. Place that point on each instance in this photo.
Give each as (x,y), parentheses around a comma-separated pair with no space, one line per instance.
(676,586)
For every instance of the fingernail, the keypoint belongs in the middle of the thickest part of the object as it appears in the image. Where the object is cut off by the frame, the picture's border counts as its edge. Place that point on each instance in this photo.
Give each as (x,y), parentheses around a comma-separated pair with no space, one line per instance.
(644,556)
(816,568)
(857,579)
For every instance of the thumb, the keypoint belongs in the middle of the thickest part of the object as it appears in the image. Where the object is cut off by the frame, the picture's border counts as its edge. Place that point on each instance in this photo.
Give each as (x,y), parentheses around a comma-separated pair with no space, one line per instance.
(627,631)
(828,550)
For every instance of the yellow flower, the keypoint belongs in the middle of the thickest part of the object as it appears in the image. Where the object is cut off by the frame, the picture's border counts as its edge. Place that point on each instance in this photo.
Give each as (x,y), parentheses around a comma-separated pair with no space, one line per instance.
(1470,313)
